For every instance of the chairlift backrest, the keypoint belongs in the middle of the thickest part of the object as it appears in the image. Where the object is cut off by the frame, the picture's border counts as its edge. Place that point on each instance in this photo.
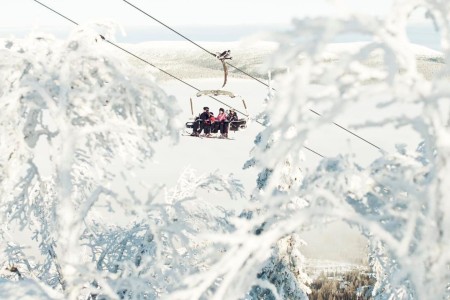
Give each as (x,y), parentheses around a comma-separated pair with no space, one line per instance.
(215,93)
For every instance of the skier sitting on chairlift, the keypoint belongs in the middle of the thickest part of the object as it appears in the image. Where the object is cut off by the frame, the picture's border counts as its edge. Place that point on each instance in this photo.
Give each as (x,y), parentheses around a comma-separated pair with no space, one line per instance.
(222,123)
(232,115)
(200,122)
(209,124)
(233,119)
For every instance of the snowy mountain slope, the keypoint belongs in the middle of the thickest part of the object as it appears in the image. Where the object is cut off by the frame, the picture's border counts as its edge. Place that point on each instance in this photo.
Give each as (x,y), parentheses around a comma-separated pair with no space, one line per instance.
(187,61)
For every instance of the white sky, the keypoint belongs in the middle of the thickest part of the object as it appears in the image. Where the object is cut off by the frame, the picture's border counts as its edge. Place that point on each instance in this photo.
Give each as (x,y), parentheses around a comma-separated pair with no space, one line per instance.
(233,19)
(28,14)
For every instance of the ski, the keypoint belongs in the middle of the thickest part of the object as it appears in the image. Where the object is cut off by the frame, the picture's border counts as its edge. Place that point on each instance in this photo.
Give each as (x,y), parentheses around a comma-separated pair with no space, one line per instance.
(209,137)
(218,138)
(197,136)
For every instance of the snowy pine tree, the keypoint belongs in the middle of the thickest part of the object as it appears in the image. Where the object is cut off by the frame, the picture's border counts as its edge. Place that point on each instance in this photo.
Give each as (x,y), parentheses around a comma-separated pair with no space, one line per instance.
(285,271)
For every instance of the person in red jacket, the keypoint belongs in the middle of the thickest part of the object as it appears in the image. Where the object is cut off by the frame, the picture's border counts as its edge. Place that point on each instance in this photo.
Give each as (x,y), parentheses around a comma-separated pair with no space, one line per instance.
(222,123)
(209,124)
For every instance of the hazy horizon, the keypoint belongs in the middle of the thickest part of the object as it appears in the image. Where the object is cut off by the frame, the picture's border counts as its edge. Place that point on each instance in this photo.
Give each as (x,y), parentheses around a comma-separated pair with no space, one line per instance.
(424,35)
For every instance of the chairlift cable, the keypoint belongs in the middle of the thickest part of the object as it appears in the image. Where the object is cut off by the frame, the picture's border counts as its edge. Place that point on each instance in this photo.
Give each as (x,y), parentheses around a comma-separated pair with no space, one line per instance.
(61,15)
(343,128)
(242,71)
(165,72)
(313,151)
(168,27)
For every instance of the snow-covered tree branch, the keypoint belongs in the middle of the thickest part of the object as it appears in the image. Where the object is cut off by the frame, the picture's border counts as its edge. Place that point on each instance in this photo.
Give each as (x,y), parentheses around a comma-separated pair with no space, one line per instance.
(78,119)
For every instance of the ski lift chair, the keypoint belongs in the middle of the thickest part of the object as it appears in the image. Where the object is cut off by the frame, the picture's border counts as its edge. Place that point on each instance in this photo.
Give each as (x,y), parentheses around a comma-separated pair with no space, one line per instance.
(236,125)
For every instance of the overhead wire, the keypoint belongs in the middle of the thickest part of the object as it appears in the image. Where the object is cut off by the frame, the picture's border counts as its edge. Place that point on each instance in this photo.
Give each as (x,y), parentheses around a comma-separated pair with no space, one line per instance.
(349,131)
(240,70)
(161,70)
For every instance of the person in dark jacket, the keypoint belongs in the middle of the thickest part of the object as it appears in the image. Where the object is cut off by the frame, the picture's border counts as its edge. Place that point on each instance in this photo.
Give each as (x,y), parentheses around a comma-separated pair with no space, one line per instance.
(232,115)
(233,120)
(200,122)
